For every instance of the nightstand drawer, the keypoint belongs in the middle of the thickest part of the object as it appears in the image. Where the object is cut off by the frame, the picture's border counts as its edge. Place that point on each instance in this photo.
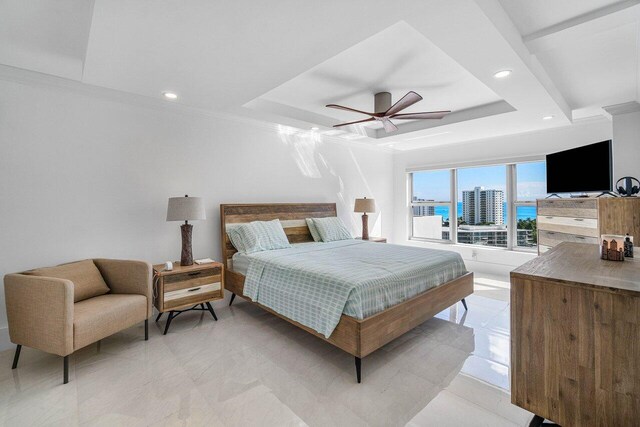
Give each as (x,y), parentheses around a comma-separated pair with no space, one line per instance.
(191,282)
(192,295)
(182,277)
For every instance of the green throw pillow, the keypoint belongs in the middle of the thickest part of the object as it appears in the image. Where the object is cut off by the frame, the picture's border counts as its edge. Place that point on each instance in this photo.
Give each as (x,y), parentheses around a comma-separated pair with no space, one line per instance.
(331,229)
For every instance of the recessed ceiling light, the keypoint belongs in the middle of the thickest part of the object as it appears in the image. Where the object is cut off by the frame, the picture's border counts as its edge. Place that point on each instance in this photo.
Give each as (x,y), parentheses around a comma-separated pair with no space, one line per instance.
(315,128)
(547,117)
(169,95)
(502,74)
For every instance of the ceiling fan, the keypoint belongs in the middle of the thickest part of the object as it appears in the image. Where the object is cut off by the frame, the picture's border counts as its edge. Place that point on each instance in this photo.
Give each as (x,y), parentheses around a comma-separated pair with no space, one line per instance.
(385,111)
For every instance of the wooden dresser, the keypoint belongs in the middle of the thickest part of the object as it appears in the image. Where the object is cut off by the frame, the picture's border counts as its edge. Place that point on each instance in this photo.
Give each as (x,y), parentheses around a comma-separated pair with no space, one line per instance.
(584,220)
(575,337)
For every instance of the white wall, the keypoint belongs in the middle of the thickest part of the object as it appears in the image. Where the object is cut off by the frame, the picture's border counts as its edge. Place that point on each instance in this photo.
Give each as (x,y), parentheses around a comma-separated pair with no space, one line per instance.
(85,175)
(626,137)
(490,260)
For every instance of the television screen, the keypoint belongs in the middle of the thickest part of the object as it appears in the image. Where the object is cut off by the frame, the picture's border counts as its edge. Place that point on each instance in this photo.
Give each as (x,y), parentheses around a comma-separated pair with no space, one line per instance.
(582,169)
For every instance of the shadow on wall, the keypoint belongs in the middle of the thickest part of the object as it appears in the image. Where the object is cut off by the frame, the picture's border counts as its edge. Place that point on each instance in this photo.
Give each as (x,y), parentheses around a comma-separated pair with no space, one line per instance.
(305,149)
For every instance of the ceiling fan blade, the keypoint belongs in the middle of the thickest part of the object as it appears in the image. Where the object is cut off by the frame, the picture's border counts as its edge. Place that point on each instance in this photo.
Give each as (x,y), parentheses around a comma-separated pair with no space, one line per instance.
(353,123)
(425,115)
(406,101)
(340,107)
(388,126)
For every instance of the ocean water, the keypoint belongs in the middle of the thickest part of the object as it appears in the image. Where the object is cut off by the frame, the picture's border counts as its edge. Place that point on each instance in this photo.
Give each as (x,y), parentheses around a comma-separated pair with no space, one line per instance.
(523,212)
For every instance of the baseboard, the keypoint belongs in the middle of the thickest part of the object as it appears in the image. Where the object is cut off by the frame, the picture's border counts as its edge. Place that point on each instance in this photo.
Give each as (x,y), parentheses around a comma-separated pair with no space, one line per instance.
(5,343)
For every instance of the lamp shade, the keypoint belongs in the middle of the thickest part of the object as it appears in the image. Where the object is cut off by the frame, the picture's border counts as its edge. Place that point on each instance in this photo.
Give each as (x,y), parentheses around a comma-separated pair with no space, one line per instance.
(365,205)
(185,209)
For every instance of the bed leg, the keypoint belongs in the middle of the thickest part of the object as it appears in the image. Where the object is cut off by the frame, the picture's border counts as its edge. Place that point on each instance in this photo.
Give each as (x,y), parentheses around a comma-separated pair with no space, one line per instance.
(233,296)
(358,369)
(464,303)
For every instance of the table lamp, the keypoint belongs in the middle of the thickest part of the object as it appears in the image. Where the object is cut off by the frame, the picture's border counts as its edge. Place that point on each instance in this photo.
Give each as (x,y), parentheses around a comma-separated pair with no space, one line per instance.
(186,209)
(365,205)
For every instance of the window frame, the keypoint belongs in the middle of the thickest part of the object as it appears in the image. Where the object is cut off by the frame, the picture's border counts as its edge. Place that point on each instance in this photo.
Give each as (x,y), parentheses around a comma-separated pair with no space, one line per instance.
(510,197)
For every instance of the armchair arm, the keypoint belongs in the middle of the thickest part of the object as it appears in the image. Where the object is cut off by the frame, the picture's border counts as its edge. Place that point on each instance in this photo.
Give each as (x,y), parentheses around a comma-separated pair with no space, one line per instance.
(127,277)
(40,312)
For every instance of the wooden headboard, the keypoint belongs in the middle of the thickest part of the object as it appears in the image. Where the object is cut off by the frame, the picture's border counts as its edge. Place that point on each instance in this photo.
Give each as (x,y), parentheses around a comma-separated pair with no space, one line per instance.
(291,215)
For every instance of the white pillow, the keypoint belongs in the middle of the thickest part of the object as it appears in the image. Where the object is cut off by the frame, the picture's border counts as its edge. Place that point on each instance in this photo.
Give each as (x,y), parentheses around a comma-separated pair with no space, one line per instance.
(331,229)
(258,236)
(313,230)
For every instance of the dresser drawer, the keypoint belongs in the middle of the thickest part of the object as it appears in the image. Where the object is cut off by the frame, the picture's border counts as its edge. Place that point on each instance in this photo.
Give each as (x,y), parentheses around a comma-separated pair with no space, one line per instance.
(552,238)
(543,248)
(194,295)
(568,225)
(573,208)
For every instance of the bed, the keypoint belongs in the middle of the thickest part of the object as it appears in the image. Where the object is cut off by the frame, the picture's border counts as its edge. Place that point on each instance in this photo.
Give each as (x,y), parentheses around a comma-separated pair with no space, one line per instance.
(376,310)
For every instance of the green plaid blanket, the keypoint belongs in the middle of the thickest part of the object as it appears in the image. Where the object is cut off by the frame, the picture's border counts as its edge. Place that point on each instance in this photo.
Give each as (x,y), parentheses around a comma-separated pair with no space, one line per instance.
(315,284)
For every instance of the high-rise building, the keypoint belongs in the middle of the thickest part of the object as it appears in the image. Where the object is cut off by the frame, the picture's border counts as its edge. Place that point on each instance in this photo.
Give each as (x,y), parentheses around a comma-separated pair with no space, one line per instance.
(482,206)
(423,210)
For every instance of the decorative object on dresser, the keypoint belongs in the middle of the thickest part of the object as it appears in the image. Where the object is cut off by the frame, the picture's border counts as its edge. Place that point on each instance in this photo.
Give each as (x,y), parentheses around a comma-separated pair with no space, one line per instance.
(631,186)
(186,209)
(585,220)
(375,239)
(628,246)
(612,247)
(187,288)
(363,206)
(358,337)
(62,309)
(575,325)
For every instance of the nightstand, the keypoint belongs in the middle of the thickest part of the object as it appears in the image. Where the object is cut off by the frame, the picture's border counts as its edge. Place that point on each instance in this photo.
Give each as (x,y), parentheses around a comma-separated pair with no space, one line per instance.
(375,239)
(187,288)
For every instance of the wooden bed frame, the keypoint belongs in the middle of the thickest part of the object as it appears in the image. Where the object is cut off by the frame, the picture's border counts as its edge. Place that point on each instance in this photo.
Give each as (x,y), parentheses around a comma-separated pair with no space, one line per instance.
(357,337)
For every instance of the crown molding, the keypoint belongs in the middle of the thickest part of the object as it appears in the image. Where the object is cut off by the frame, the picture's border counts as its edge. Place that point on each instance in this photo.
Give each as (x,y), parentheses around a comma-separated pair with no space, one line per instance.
(624,108)
(33,78)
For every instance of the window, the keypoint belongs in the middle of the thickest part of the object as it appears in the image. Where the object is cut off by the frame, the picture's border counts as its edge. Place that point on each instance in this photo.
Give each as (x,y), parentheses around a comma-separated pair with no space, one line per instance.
(482,218)
(431,204)
(485,205)
(531,184)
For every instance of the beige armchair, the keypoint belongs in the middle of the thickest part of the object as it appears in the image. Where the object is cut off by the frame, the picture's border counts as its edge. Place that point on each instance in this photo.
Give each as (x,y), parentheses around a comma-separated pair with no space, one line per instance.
(64,308)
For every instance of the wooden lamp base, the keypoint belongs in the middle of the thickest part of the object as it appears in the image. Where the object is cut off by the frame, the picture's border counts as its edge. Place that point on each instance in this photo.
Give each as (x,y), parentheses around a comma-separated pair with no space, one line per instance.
(186,258)
(365,227)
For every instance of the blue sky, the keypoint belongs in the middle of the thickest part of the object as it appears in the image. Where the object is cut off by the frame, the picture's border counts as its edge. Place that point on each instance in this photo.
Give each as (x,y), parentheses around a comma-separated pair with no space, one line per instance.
(435,184)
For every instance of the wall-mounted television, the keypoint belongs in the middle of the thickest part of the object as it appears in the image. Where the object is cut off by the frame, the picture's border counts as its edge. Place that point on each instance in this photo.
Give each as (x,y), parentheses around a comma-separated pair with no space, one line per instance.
(583,169)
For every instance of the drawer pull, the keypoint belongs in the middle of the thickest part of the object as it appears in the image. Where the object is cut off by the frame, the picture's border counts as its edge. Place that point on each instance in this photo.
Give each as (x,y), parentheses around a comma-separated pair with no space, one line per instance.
(195,273)
(194,289)
(580,237)
(551,232)
(578,219)
(549,217)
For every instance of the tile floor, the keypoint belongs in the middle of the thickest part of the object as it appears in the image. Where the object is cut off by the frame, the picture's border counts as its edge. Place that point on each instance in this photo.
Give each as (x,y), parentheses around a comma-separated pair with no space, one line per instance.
(251,368)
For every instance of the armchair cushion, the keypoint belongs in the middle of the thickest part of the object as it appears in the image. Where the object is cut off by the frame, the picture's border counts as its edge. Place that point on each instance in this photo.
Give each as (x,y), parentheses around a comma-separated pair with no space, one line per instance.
(102,316)
(86,278)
